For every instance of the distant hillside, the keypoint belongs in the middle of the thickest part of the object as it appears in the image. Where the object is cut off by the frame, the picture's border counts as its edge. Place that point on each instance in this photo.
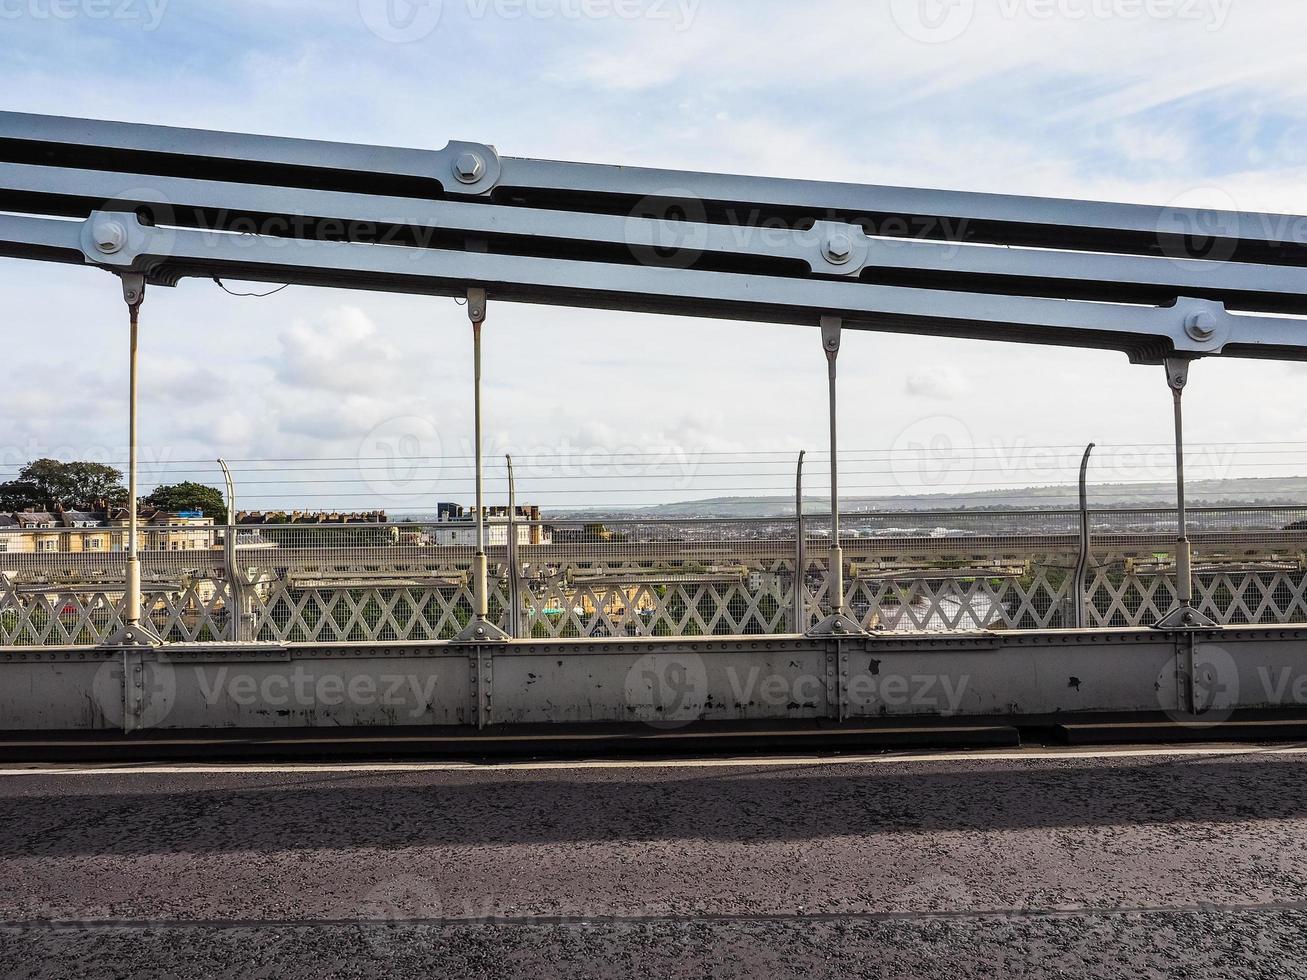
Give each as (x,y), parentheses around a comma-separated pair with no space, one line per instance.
(1201,493)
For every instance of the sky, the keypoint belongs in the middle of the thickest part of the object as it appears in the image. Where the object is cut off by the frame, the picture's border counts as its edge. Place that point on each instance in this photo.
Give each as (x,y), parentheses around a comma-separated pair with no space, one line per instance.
(1186,102)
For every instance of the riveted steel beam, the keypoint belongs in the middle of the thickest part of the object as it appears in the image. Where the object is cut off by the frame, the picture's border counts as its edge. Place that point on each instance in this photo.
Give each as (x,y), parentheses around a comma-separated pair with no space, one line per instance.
(824,248)
(1150,281)
(1146,334)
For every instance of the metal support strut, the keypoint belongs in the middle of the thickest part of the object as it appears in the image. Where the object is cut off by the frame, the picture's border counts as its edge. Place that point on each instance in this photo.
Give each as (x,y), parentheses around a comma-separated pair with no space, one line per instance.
(1184,615)
(837,623)
(133,633)
(480,629)
(514,586)
(240,616)
(800,552)
(1078,583)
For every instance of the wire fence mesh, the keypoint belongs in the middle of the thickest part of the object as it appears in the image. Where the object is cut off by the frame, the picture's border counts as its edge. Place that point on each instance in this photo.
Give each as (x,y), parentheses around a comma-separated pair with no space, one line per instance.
(680,577)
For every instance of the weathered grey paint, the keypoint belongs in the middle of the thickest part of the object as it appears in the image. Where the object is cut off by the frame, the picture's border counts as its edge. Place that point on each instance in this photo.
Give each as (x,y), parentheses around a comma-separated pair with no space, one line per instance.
(665,683)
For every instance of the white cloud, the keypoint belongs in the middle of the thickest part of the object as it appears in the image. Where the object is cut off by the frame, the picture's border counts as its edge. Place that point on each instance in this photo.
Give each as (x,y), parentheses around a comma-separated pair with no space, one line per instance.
(939,382)
(339,352)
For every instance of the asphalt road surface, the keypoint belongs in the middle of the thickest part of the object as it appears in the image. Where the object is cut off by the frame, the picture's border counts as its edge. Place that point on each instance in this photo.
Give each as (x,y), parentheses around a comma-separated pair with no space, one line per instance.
(1121,863)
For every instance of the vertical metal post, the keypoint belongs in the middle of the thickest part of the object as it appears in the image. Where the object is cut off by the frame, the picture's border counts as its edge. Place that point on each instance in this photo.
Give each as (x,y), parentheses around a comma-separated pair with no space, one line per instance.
(482,600)
(133,612)
(480,628)
(237,603)
(836,552)
(133,632)
(1184,615)
(800,553)
(1184,551)
(514,600)
(1080,580)
(837,622)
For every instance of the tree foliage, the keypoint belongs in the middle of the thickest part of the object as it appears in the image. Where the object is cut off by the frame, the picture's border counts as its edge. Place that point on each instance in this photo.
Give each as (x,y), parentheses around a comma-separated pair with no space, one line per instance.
(189,496)
(48,483)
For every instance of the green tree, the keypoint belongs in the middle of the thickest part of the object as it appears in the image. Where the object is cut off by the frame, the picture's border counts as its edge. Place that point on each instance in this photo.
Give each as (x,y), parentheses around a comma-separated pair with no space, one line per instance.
(189,496)
(49,483)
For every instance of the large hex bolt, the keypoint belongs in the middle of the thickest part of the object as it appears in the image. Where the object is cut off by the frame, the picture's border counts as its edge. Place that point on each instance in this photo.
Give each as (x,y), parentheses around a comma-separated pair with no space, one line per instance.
(839,248)
(1201,326)
(469,167)
(110,236)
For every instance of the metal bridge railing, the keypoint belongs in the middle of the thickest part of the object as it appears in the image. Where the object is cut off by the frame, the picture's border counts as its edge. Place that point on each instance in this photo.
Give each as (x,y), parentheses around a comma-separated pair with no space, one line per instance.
(918,571)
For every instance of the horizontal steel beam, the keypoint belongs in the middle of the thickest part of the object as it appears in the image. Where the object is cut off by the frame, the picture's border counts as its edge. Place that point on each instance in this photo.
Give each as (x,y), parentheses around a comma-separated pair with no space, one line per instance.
(25,137)
(1149,281)
(1146,334)
(663,682)
(223,206)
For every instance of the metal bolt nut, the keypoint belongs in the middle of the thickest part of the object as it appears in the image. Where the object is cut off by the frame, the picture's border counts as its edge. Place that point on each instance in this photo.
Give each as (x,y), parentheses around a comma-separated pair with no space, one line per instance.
(1201,326)
(110,236)
(839,248)
(469,168)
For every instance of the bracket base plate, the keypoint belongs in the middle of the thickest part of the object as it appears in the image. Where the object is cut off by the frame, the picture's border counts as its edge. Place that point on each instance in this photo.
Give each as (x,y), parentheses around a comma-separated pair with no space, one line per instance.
(1185,618)
(482,631)
(837,625)
(137,635)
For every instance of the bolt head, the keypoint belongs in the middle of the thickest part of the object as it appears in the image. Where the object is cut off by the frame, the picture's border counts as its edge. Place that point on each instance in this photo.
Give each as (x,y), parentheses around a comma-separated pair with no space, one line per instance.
(110,236)
(469,167)
(1201,326)
(839,247)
